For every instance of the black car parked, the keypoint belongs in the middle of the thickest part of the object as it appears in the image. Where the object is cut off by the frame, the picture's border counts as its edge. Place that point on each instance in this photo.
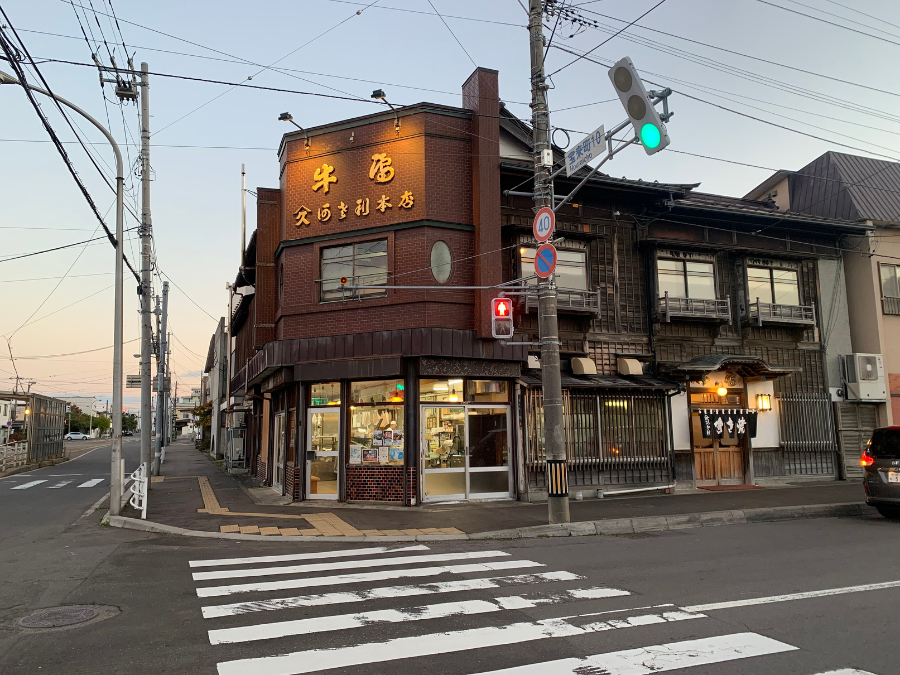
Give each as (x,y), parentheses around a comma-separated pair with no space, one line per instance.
(881,462)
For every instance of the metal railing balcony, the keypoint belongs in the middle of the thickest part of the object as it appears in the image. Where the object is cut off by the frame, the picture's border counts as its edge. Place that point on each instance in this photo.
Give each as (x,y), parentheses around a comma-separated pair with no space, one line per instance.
(771,313)
(694,308)
(890,305)
(570,300)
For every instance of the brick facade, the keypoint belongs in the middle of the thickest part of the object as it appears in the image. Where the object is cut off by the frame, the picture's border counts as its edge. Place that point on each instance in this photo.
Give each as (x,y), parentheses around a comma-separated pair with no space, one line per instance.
(380,483)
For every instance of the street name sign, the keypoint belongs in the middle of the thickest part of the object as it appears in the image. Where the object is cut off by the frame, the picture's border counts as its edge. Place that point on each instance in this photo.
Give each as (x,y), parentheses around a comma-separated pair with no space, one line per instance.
(591,146)
(544,224)
(545,260)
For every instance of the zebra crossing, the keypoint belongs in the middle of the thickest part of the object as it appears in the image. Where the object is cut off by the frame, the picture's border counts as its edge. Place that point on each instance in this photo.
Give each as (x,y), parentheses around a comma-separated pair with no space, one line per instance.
(379,608)
(47,483)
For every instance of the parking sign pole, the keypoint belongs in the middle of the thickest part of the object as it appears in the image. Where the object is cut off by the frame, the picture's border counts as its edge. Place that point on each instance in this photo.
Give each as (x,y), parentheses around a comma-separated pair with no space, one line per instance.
(554,439)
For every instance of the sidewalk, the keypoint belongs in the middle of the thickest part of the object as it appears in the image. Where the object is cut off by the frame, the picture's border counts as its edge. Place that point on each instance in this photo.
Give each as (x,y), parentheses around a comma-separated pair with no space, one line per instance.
(193,493)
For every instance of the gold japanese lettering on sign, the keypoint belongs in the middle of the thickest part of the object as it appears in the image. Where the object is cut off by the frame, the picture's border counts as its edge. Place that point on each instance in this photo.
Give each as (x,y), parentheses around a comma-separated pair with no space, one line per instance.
(300,216)
(381,170)
(323,178)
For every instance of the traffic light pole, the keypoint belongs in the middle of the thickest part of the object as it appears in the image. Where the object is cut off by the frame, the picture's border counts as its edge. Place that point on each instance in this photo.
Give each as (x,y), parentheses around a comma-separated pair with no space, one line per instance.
(554,440)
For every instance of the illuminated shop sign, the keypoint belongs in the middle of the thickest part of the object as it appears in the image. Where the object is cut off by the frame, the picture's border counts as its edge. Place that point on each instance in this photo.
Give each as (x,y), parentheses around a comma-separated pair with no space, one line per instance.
(381,172)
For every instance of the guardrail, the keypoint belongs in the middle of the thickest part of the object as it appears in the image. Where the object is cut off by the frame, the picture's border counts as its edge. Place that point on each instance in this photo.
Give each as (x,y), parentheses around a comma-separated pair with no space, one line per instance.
(767,312)
(13,455)
(694,308)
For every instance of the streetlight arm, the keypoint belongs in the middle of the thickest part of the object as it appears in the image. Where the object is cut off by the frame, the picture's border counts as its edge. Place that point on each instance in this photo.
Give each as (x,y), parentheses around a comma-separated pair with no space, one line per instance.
(9,79)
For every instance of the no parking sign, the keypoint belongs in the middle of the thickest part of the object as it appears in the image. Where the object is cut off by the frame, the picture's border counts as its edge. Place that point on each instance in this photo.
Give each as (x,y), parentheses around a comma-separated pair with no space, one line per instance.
(545,260)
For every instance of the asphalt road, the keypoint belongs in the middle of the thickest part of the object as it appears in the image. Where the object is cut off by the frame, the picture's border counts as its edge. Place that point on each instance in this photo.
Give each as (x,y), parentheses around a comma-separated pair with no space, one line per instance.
(683,602)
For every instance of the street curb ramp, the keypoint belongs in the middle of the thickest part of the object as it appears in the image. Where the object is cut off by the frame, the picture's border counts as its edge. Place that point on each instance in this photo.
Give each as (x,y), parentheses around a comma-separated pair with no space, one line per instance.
(612,526)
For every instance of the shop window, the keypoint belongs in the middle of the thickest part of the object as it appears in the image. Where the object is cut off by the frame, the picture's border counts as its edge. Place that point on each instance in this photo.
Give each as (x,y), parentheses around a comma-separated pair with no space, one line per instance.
(686,279)
(363,264)
(571,268)
(327,393)
(890,281)
(450,391)
(376,423)
(487,391)
(378,391)
(772,285)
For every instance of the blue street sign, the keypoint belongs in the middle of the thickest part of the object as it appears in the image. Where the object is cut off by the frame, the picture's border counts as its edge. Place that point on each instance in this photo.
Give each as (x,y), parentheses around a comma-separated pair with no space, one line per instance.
(545,260)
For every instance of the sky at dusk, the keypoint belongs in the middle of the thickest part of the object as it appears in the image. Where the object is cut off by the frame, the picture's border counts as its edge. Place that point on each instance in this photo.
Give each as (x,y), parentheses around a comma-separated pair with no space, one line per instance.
(60,329)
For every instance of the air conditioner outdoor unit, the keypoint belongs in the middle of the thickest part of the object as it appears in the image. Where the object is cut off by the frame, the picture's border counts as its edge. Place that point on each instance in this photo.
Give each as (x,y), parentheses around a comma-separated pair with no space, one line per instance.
(865,378)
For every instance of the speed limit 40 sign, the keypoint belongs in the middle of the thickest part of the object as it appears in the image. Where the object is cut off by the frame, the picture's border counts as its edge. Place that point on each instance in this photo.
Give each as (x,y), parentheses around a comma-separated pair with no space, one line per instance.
(544,224)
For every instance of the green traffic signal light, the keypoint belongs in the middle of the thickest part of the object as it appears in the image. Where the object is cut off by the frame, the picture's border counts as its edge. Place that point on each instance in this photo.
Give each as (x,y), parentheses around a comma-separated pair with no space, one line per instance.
(650,136)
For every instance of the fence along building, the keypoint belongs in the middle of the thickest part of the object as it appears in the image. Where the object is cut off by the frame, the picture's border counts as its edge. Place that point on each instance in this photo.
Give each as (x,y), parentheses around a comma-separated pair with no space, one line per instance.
(352,391)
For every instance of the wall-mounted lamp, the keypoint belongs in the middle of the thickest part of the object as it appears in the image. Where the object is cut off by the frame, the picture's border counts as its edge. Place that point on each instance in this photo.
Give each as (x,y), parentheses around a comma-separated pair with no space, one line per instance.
(763,402)
(286,117)
(381,96)
(722,391)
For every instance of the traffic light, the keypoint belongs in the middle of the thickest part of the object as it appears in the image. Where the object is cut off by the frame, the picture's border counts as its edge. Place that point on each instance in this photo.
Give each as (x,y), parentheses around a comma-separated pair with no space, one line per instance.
(647,123)
(501,318)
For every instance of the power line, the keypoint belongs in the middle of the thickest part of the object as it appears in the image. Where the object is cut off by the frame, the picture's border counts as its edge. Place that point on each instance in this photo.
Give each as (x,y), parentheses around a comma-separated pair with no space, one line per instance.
(14,63)
(822,11)
(830,23)
(606,40)
(71,276)
(57,248)
(854,9)
(168,278)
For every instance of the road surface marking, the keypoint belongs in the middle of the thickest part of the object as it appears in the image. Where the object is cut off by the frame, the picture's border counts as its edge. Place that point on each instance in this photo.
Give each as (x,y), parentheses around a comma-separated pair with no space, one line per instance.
(385,592)
(365,577)
(25,486)
(92,482)
(847,671)
(792,596)
(338,622)
(63,475)
(60,484)
(347,564)
(439,643)
(303,556)
(657,658)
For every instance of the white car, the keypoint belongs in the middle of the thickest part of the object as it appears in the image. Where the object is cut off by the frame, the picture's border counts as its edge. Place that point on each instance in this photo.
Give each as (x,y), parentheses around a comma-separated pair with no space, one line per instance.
(76,436)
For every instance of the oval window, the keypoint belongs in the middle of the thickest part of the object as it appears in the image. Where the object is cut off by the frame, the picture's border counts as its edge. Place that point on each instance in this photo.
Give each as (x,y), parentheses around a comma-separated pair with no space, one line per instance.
(440,262)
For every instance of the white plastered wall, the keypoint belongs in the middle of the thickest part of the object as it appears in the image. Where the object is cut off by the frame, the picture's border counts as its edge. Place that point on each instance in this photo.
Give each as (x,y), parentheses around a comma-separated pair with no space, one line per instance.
(767,434)
(681,422)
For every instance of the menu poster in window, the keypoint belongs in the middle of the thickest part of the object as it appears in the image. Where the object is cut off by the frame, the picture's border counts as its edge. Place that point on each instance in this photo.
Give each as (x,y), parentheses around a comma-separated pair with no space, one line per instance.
(388,435)
(398,436)
(396,454)
(370,455)
(383,455)
(377,437)
(355,454)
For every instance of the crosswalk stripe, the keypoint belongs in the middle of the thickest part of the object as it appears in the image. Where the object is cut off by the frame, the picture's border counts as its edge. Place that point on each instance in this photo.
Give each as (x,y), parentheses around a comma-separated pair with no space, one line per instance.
(658,658)
(363,577)
(60,484)
(92,482)
(436,643)
(25,486)
(442,610)
(304,556)
(746,602)
(384,592)
(347,564)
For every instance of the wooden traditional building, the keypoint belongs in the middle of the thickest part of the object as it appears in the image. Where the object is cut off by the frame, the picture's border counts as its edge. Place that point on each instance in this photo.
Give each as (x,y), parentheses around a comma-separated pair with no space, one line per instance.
(679,312)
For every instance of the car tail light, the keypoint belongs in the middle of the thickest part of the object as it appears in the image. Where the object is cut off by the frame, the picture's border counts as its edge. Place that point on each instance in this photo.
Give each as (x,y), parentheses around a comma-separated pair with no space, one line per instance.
(867,459)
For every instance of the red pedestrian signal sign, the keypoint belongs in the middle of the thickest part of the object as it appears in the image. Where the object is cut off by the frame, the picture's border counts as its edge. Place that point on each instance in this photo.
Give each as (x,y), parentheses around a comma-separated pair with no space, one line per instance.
(501,318)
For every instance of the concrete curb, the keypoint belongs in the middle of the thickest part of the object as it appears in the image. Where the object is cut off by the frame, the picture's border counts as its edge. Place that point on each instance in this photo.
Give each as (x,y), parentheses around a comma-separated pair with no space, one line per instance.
(612,526)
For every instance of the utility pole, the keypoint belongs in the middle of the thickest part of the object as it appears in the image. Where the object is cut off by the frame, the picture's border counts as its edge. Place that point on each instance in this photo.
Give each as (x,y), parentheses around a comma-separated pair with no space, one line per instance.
(161,382)
(554,438)
(146,283)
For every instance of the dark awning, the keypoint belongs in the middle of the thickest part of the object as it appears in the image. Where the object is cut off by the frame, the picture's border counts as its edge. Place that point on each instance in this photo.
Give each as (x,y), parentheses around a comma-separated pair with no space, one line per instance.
(532,378)
(745,365)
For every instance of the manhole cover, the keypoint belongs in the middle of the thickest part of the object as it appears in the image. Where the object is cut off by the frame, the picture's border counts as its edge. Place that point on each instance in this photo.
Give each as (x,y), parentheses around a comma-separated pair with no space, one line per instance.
(59,616)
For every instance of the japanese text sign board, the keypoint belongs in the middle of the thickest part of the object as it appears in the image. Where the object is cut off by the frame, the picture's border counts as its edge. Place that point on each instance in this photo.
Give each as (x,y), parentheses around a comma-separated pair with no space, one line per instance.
(581,153)
(544,224)
(545,260)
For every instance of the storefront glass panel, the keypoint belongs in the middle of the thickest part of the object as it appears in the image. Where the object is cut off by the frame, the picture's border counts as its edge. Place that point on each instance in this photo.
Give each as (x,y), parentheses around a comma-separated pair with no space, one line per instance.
(377,436)
(450,391)
(327,393)
(487,391)
(323,443)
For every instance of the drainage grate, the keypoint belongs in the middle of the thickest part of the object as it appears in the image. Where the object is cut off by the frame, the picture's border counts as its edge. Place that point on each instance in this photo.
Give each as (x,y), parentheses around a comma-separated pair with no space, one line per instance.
(57,617)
